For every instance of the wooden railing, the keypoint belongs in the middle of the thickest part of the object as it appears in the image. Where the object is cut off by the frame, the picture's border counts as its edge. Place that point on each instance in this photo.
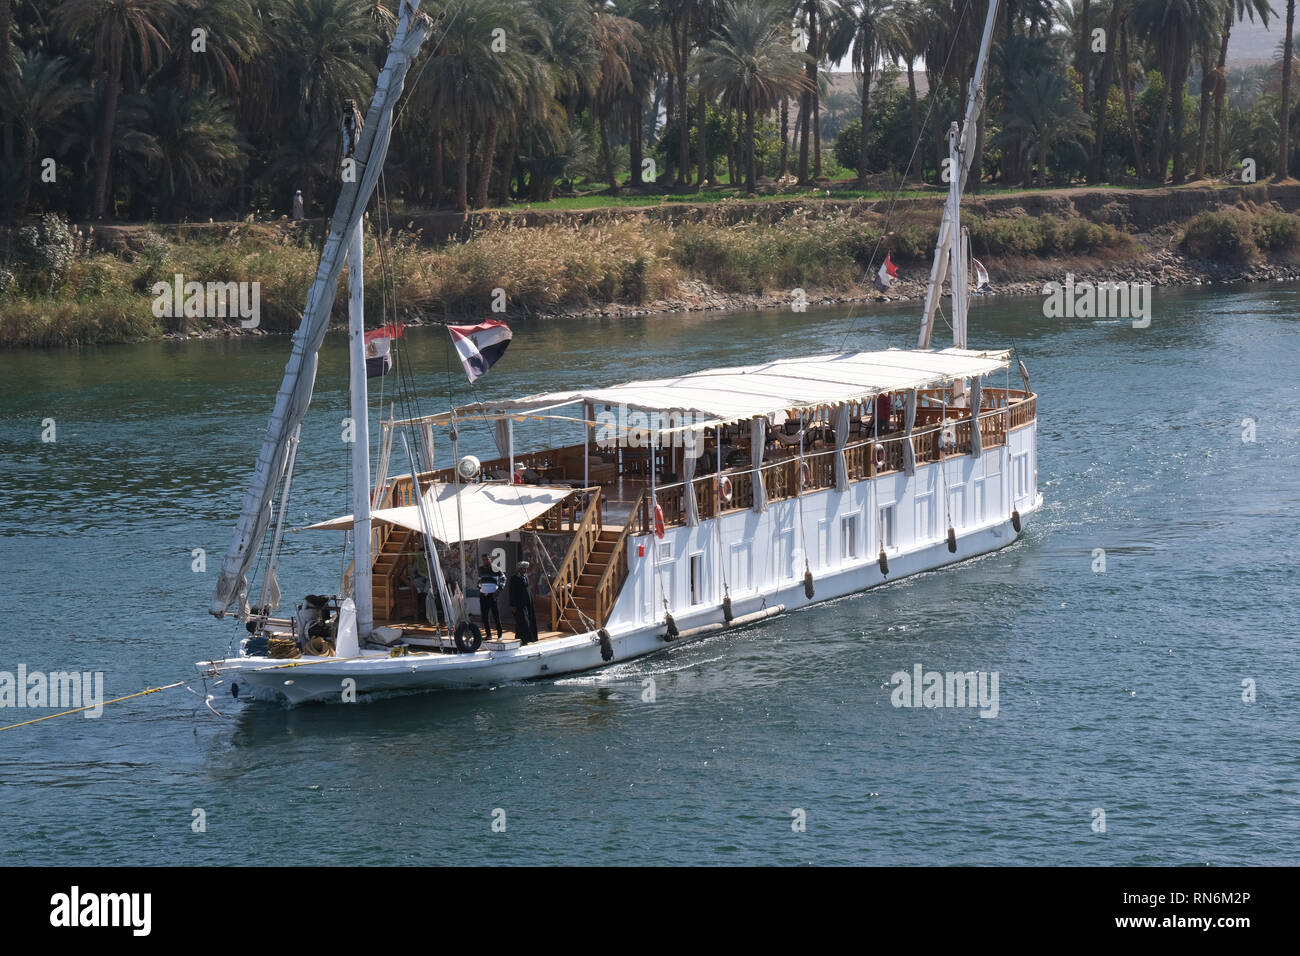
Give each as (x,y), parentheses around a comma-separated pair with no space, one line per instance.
(611,581)
(584,542)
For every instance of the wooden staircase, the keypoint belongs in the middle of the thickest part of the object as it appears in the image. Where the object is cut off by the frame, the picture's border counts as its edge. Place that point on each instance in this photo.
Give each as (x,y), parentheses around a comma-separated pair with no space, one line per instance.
(584,595)
(385,576)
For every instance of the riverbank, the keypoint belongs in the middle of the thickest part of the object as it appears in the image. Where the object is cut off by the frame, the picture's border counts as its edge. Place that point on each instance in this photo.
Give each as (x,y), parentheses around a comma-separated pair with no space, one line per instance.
(73,286)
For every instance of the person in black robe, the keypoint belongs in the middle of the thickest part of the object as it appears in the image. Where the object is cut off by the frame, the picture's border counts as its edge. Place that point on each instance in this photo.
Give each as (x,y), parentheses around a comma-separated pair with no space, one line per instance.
(521,605)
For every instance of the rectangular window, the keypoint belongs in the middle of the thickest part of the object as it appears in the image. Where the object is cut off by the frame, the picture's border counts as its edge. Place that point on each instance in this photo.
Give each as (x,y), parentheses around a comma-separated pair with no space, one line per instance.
(1020,477)
(740,567)
(664,552)
(848,538)
(924,517)
(887,526)
(697,578)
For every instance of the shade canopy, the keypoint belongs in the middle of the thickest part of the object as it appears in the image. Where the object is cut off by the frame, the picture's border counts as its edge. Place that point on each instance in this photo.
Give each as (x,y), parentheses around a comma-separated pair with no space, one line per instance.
(734,394)
(485,510)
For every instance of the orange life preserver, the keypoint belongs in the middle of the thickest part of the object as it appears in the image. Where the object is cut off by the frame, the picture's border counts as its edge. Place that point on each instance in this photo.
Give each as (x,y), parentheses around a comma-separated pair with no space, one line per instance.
(659,521)
(805,475)
(724,488)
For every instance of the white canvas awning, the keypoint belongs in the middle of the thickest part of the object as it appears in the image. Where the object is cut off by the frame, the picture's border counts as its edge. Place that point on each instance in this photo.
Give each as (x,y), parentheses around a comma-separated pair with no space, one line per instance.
(735,394)
(485,510)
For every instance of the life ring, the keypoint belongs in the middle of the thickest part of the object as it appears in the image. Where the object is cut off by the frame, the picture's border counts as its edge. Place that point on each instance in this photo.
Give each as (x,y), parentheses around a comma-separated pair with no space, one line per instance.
(659,521)
(724,488)
(805,475)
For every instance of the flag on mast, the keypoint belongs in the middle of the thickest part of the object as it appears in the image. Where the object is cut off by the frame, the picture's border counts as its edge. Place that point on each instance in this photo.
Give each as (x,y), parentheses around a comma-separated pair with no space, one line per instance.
(379,349)
(888,272)
(479,346)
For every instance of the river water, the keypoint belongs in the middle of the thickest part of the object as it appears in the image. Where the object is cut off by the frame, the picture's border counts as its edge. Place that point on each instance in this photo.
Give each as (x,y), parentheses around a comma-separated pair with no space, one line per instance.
(1119,691)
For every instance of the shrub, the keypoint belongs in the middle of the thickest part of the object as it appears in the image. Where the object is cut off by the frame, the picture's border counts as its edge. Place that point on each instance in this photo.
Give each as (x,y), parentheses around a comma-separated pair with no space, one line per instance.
(1227,234)
(47,249)
(1276,231)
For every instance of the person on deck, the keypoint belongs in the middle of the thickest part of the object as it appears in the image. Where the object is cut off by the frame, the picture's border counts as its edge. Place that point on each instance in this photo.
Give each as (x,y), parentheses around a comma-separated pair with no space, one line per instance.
(490,582)
(521,605)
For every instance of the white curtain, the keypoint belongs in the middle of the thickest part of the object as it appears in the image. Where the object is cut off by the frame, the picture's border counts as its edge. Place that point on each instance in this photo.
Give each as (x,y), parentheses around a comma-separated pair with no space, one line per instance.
(976,442)
(695,443)
(909,419)
(841,439)
(758,438)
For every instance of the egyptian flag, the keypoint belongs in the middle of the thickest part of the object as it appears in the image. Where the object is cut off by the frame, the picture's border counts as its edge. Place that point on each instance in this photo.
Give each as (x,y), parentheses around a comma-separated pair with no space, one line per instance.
(888,272)
(981,275)
(479,346)
(379,349)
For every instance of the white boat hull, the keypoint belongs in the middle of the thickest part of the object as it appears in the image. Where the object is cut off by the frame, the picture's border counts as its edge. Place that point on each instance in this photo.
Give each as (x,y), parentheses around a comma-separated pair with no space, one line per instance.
(327,679)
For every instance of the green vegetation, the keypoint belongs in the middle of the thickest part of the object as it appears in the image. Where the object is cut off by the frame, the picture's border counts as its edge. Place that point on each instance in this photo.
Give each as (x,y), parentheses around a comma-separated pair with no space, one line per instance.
(1238,236)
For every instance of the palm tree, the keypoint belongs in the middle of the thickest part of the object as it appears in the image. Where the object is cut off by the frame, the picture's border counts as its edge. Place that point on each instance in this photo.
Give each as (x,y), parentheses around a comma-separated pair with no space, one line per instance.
(750,64)
(196,141)
(620,42)
(1044,113)
(127,37)
(1232,10)
(1174,28)
(866,31)
(476,87)
(1288,50)
(37,94)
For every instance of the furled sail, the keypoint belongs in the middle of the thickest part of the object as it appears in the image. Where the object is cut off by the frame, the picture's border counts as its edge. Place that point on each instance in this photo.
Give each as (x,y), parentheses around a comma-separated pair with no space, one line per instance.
(300,373)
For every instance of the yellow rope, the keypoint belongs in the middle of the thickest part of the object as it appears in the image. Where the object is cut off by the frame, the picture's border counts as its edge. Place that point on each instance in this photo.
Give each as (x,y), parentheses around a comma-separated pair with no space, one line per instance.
(64,713)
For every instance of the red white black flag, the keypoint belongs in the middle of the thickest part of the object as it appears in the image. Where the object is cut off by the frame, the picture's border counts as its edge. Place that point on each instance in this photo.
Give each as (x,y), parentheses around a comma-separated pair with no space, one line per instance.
(479,346)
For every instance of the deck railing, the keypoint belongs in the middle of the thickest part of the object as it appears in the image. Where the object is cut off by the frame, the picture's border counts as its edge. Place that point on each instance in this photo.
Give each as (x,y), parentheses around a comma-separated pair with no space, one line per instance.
(864,458)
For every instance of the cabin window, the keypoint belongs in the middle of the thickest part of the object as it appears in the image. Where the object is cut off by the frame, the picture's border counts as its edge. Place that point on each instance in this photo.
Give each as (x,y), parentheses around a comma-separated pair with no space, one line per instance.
(887,526)
(848,538)
(664,552)
(924,517)
(1020,476)
(697,578)
(740,568)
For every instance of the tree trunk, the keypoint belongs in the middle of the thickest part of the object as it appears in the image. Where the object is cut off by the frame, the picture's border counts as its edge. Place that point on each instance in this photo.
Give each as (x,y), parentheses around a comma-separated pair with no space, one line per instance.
(508,164)
(112,82)
(1284,139)
(684,147)
(1220,91)
(439,179)
(607,156)
(817,103)
(864,139)
(1160,158)
(1097,168)
(670,104)
(635,154)
(1042,160)
(785,136)
(7,145)
(462,171)
(1207,77)
(489,157)
(1180,117)
(913,115)
(805,109)
(751,172)
(1085,54)
(1127,82)
(702,147)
